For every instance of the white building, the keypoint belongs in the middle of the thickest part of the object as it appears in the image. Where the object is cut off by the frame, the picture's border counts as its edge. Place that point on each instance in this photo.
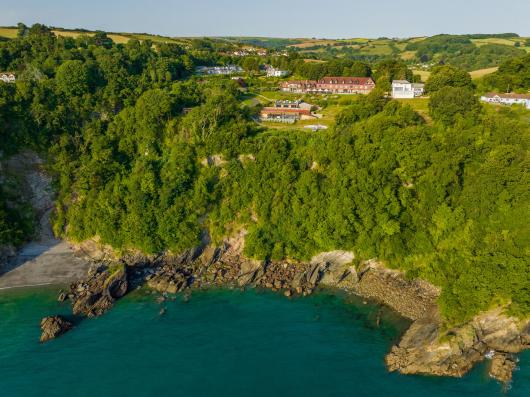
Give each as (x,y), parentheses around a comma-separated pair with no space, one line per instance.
(405,89)
(219,70)
(273,72)
(7,77)
(507,99)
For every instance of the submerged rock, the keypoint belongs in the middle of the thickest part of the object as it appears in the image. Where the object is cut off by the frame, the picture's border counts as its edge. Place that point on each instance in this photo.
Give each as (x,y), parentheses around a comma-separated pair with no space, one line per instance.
(53,326)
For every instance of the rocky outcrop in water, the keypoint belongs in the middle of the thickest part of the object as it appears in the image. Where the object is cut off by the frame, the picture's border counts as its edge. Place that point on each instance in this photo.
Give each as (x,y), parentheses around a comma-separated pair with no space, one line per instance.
(426,348)
(97,294)
(502,366)
(53,326)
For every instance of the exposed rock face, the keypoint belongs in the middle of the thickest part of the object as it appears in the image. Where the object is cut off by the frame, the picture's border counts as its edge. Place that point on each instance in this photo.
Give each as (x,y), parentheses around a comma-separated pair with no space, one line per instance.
(413,299)
(95,295)
(53,326)
(502,366)
(426,349)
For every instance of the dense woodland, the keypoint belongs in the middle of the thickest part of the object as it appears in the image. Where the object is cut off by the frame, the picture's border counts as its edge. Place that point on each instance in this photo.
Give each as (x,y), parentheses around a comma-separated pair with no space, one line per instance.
(446,199)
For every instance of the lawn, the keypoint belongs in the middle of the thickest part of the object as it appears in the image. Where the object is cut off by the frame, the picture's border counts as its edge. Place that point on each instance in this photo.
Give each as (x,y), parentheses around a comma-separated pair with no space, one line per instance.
(424,74)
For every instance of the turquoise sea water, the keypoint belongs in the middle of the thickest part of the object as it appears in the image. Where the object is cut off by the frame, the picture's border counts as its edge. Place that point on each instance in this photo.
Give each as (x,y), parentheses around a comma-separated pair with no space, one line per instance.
(219,343)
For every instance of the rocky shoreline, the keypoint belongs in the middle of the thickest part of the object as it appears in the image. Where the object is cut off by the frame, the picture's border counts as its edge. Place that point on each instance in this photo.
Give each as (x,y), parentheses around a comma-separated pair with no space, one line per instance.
(425,348)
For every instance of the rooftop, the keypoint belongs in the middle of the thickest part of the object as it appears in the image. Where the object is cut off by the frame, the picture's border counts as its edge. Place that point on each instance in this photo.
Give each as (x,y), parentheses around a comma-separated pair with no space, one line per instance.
(509,95)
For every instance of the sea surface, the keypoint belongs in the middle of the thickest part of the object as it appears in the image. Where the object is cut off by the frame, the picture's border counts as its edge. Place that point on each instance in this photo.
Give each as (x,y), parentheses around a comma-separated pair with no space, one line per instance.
(219,343)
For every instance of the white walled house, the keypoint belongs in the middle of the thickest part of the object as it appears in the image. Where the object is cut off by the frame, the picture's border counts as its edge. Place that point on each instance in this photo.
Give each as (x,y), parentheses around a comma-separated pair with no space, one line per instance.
(507,99)
(406,89)
(7,77)
(273,72)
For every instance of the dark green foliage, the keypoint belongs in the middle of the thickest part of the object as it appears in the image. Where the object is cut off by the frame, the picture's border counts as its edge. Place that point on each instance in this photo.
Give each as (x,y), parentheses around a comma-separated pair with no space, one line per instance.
(145,161)
(334,67)
(440,44)
(513,75)
(16,218)
(389,70)
(485,56)
(460,51)
(451,103)
(72,78)
(447,76)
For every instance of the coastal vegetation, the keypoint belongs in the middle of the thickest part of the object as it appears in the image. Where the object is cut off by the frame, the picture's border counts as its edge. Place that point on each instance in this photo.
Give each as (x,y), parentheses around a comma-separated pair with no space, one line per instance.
(148,156)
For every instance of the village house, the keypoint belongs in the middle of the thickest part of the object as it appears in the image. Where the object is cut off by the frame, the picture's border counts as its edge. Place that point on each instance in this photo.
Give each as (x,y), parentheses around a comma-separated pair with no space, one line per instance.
(286,111)
(273,72)
(345,85)
(219,70)
(298,86)
(245,52)
(507,99)
(406,89)
(330,85)
(7,77)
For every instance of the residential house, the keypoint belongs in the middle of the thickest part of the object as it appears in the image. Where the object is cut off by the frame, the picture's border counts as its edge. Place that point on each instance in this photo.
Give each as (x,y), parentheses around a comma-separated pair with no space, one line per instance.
(286,110)
(406,89)
(245,52)
(273,72)
(299,86)
(345,85)
(219,70)
(7,77)
(507,99)
(330,85)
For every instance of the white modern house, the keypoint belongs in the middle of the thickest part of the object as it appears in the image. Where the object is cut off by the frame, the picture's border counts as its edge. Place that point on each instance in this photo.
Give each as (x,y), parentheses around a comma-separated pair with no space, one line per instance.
(7,77)
(273,72)
(507,99)
(406,89)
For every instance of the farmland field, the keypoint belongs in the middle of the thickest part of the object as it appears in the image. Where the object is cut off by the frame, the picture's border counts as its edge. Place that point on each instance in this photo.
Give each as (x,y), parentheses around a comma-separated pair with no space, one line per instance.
(10,33)
(477,74)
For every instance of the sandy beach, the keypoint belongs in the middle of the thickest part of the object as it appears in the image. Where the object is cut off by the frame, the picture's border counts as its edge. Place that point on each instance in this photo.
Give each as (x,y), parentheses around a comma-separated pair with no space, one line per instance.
(44,263)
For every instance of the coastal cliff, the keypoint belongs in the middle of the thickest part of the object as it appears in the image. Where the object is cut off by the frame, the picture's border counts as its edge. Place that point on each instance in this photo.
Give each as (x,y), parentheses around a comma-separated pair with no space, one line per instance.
(427,347)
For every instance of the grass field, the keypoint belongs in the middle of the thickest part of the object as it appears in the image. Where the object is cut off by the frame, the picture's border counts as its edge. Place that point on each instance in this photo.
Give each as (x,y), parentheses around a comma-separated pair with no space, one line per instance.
(10,33)
(408,55)
(424,74)
(494,40)
(477,74)
(116,37)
